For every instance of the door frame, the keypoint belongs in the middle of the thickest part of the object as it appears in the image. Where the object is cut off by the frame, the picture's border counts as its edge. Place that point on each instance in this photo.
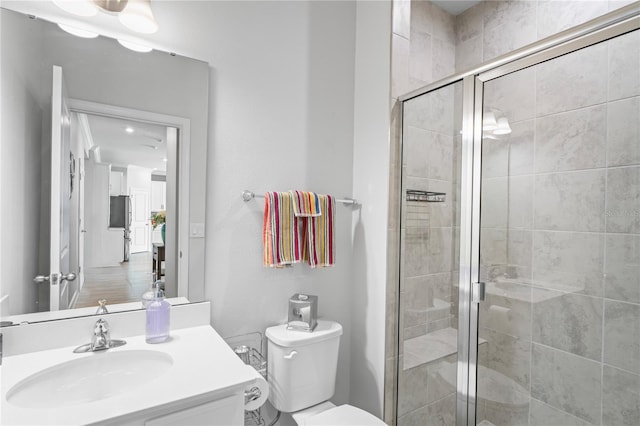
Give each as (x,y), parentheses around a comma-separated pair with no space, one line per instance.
(180,251)
(59,204)
(610,25)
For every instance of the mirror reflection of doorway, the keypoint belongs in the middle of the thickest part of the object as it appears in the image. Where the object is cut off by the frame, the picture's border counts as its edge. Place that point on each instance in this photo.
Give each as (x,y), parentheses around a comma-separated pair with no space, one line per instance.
(124,182)
(140,214)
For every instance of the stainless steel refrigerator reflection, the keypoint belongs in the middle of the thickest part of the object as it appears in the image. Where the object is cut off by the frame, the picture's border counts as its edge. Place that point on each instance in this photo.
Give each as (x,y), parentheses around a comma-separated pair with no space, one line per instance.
(120,217)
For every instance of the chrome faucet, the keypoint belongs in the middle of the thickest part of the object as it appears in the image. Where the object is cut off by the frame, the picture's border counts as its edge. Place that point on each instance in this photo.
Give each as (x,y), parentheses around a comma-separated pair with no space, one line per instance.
(102,307)
(101,339)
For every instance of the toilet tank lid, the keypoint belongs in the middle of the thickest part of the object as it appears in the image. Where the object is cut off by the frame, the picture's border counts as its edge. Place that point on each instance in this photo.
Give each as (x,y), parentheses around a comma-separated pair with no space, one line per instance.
(289,338)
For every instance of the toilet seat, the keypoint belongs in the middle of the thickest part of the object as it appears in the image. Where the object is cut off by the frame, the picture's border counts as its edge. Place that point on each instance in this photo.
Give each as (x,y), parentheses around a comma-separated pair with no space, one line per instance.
(343,415)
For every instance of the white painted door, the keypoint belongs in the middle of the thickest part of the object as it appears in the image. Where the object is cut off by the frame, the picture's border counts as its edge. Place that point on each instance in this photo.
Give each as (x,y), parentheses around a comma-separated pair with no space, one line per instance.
(59,272)
(140,220)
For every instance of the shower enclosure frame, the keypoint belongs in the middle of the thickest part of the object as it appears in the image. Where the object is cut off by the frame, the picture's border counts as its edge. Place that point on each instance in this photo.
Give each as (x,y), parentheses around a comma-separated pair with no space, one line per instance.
(608,26)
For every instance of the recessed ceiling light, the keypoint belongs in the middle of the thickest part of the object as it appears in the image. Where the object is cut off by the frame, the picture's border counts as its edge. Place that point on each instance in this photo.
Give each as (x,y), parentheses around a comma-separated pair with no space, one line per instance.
(135,46)
(78,32)
(129,129)
(165,160)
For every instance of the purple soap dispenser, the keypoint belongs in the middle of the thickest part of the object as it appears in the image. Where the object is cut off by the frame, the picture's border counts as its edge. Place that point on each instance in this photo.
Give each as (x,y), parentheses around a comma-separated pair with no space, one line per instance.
(157,327)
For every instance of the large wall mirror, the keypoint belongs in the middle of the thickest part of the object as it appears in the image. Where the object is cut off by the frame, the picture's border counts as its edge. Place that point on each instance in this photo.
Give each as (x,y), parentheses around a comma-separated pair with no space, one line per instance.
(103,161)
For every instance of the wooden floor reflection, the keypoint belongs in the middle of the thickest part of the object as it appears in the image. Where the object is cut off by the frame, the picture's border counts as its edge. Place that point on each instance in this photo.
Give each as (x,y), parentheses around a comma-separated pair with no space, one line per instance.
(117,284)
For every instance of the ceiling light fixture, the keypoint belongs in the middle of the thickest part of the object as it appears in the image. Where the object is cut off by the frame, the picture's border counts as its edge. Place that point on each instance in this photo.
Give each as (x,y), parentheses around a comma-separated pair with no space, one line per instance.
(112,6)
(503,127)
(495,124)
(129,129)
(78,32)
(489,121)
(137,16)
(135,46)
(133,14)
(77,7)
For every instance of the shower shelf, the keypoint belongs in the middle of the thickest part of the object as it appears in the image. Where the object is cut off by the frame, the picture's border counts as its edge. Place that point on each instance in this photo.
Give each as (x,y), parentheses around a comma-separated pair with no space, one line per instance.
(426,196)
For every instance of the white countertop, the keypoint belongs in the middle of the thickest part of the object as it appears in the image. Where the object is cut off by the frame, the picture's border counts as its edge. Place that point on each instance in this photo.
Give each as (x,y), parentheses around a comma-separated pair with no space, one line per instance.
(203,366)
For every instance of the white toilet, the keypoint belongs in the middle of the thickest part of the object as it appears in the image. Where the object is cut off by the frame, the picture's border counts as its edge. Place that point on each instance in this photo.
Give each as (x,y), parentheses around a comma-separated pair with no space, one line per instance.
(302,376)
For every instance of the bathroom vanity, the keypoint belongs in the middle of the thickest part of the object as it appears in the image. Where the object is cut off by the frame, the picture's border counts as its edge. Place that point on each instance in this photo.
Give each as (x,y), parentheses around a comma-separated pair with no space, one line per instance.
(193,379)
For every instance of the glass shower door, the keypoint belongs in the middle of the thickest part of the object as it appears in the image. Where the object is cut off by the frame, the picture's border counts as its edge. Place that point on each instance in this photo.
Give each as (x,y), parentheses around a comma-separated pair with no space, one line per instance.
(559,329)
(430,223)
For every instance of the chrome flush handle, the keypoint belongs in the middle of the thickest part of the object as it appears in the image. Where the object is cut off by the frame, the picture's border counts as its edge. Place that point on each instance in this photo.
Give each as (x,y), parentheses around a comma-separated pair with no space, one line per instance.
(291,355)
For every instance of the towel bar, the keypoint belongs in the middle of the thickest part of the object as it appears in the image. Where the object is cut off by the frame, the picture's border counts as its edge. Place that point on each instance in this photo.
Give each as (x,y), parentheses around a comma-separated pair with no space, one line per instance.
(248,196)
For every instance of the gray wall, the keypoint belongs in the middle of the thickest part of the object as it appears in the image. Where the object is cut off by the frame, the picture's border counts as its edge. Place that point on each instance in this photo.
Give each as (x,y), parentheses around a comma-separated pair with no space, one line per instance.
(282,118)
(370,159)
(23,100)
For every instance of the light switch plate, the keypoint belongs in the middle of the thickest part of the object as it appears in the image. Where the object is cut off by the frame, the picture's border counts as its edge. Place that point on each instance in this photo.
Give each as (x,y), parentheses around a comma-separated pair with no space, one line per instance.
(197,230)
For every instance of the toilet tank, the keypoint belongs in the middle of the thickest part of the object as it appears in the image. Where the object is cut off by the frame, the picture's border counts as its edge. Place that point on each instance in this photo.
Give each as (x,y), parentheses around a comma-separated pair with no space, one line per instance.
(302,365)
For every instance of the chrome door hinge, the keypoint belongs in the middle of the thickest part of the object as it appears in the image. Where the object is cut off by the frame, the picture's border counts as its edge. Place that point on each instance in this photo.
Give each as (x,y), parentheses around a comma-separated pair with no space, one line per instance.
(477,292)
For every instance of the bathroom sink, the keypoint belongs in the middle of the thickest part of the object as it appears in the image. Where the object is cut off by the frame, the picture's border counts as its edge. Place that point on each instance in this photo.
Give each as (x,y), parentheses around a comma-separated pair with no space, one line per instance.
(133,384)
(95,377)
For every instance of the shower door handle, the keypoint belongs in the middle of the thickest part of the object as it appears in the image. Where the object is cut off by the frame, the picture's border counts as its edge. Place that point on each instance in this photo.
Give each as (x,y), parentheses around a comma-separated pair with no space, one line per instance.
(477,292)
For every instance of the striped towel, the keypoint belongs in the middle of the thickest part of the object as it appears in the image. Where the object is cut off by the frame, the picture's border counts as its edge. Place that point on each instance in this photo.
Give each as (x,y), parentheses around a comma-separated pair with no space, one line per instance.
(318,233)
(305,204)
(289,237)
(280,232)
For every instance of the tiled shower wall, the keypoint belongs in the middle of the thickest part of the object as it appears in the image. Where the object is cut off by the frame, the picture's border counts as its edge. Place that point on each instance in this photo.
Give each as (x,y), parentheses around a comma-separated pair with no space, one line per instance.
(561,241)
(493,28)
(423,45)
(427,44)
